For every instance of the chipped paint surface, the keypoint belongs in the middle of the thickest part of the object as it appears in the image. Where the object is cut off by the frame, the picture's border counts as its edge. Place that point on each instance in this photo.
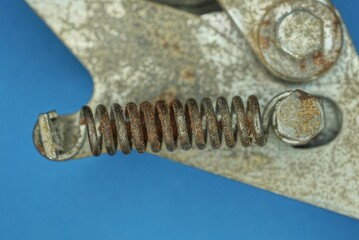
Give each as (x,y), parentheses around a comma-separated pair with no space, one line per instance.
(142,50)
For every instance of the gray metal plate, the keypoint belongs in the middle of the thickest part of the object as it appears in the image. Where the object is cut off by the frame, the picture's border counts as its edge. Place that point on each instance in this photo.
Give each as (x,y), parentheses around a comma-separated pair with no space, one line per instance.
(136,50)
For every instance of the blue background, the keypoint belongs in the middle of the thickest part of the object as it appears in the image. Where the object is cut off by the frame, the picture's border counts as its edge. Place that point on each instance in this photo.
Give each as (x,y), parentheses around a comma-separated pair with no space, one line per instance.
(137,197)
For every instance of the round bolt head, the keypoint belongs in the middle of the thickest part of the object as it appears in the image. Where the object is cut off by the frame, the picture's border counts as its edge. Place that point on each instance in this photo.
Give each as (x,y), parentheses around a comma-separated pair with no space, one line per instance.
(300,34)
(299,118)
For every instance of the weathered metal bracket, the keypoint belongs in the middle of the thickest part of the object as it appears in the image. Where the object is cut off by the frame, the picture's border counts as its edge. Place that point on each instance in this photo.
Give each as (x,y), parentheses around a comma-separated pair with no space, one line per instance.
(137,50)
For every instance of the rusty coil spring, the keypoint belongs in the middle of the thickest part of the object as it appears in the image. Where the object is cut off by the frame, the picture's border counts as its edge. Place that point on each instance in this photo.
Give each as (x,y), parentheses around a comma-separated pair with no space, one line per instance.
(173,123)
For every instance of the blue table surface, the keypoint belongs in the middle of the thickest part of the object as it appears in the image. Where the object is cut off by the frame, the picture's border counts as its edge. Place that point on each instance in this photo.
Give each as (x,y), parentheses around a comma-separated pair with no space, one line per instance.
(137,197)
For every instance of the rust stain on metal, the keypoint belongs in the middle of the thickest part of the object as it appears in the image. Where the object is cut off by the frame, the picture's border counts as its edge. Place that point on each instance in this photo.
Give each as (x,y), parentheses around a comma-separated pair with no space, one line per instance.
(299,28)
(128,63)
(266,22)
(303,96)
(168,94)
(159,124)
(303,65)
(265,42)
(308,113)
(300,117)
(319,59)
(188,75)
(165,44)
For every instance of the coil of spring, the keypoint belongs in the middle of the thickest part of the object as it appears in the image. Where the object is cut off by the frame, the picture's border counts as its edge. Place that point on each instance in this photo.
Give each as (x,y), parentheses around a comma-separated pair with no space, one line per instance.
(173,124)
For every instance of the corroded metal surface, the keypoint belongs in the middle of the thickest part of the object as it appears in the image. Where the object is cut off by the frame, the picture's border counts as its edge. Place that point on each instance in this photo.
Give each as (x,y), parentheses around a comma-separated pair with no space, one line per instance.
(300,34)
(139,51)
(171,125)
(299,118)
(296,39)
(295,116)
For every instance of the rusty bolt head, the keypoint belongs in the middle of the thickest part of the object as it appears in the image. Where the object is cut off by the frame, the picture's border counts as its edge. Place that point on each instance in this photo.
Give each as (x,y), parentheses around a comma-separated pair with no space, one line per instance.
(299,118)
(300,34)
(299,40)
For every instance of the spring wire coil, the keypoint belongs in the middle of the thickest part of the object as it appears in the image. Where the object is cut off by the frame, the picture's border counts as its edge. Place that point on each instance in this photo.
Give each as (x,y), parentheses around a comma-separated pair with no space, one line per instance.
(172,124)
